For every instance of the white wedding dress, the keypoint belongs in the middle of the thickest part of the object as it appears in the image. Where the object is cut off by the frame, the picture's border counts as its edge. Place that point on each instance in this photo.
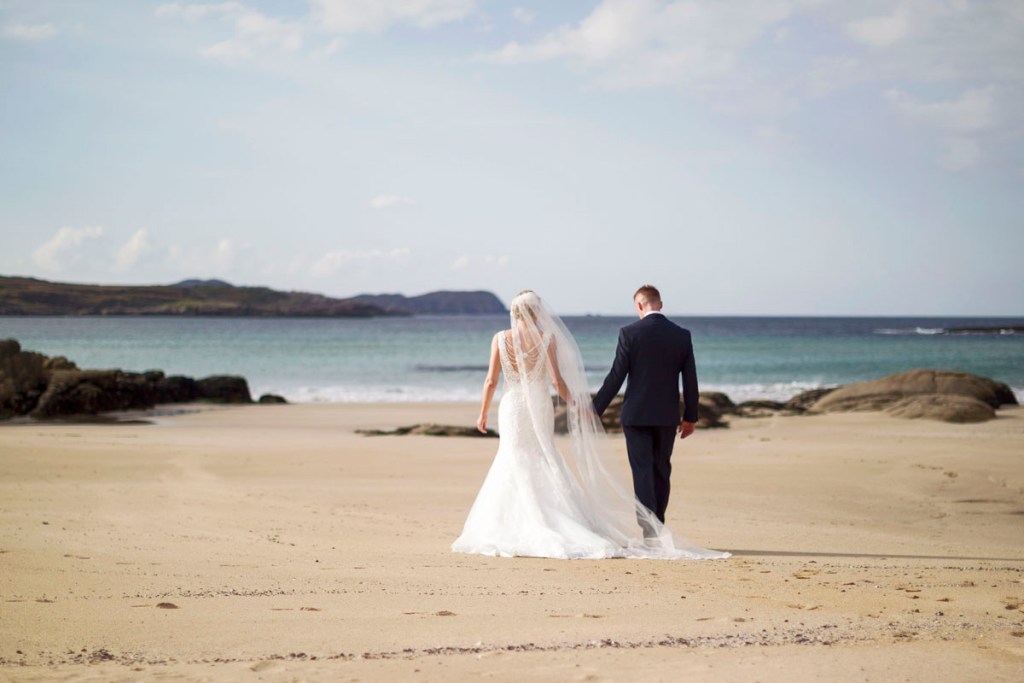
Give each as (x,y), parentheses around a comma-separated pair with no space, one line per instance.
(537,501)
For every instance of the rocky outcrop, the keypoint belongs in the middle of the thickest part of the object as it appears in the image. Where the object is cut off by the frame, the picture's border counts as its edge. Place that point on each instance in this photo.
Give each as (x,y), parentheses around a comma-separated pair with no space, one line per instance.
(429,430)
(271,398)
(803,401)
(711,409)
(760,408)
(45,388)
(944,407)
(930,390)
(23,378)
(89,392)
(881,393)
(224,389)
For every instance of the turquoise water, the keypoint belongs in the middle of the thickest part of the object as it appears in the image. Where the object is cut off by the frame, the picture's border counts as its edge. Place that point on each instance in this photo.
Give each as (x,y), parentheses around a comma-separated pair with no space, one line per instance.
(437,358)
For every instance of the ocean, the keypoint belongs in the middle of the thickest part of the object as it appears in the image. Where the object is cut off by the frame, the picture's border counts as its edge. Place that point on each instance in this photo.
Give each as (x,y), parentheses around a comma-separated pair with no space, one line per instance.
(444,358)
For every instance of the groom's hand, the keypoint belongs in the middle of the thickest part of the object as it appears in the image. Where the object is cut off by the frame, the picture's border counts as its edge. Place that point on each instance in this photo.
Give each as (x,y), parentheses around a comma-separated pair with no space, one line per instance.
(686,428)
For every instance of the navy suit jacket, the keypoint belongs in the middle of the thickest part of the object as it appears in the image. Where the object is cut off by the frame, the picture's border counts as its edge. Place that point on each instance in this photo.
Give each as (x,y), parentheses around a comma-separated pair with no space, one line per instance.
(653,352)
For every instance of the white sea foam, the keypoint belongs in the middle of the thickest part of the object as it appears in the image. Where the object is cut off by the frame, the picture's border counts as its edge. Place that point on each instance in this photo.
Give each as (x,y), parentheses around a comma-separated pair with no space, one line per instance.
(777,391)
(772,391)
(910,330)
(372,394)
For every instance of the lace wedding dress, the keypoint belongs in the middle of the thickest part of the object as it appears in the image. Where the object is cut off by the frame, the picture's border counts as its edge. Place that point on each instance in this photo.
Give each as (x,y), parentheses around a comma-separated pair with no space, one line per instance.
(538,500)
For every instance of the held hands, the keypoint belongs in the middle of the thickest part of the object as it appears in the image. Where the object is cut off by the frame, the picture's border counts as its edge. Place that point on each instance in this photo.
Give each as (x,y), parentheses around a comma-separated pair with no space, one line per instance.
(686,428)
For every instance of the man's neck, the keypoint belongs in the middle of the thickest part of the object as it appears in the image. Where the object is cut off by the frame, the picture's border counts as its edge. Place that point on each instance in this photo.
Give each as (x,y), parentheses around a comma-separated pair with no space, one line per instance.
(652,312)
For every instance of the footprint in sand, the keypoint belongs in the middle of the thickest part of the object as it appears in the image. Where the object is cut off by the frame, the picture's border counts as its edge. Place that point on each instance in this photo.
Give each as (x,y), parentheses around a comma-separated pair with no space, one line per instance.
(166,605)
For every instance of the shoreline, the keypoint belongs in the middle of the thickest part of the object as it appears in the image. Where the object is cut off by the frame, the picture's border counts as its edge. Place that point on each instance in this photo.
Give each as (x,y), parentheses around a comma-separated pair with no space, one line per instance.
(290,546)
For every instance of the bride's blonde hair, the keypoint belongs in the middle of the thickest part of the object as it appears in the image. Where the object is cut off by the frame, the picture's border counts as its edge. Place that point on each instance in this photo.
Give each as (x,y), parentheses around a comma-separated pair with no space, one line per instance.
(525,300)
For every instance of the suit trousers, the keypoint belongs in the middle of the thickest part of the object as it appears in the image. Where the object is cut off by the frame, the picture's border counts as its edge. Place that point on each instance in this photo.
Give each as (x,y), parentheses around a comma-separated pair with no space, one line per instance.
(650,458)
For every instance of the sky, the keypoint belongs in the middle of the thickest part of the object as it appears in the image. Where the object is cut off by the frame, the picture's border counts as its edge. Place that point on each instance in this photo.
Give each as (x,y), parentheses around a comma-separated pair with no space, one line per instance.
(748,157)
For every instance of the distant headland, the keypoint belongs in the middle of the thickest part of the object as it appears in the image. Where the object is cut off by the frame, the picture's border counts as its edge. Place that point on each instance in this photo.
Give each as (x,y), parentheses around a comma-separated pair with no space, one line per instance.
(195,297)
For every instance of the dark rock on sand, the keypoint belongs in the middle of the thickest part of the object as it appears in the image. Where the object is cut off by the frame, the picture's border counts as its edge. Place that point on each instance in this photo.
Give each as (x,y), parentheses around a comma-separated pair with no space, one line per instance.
(272,398)
(88,392)
(759,408)
(59,363)
(943,407)
(176,389)
(803,401)
(429,430)
(23,378)
(46,388)
(718,401)
(224,389)
(712,406)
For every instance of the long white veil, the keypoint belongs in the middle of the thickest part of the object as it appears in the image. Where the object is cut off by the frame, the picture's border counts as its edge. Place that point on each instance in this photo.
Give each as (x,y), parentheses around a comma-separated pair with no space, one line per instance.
(612,510)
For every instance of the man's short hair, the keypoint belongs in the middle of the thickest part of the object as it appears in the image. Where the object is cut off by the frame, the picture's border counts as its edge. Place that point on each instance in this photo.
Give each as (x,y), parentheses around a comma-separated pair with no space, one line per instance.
(648,293)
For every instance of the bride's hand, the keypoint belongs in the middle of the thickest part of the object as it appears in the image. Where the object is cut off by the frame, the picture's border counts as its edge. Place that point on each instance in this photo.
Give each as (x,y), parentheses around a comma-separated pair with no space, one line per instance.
(481,424)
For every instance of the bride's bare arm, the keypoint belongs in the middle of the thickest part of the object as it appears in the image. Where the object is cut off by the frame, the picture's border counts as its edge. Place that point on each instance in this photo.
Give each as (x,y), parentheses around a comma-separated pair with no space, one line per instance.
(490,384)
(556,375)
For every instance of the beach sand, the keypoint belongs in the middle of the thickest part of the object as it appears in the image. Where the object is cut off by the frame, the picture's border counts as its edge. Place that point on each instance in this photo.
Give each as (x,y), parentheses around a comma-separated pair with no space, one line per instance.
(289,548)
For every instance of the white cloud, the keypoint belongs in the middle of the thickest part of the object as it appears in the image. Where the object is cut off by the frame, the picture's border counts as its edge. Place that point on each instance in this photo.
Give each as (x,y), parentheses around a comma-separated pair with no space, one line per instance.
(385,201)
(253,30)
(353,16)
(196,11)
(343,259)
(523,15)
(486,262)
(974,110)
(643,43)
(137,245)
(30,32)
(228,52)
(63,245)
(264,30)
(881,31)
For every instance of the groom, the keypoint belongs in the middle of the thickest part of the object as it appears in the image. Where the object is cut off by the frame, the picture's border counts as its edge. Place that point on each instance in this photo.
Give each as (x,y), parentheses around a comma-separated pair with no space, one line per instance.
(653,352)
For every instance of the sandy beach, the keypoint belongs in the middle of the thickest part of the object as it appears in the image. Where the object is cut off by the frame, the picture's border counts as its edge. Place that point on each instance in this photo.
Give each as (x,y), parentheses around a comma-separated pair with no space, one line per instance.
(275,543)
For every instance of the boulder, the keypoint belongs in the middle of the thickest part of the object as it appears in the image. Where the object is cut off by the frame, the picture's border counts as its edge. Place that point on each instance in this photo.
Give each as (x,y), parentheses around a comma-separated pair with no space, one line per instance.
(59,363)
(9,347)
(223,389)
(176,389)
(944,407)
(271,398)
(717,400)
(759,408)
(803,401)
(23,378)
(429,430)
(711,407)
(881,393)
(710,412)
(46,388)
(88,392)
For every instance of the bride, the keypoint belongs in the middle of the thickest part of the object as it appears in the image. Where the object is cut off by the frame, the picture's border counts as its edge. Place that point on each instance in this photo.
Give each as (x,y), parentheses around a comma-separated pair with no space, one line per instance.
(540,501)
